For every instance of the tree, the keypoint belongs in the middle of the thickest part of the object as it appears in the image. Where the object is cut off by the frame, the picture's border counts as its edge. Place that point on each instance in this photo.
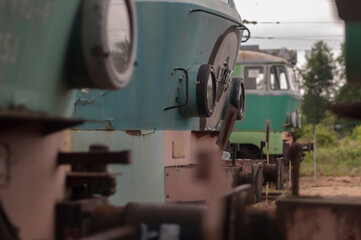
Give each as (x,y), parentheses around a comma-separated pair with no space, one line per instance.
(318,81)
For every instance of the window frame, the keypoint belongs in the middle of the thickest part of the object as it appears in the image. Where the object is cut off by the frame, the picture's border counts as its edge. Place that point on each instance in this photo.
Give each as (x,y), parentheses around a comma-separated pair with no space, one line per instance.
(278,66)
(264,72)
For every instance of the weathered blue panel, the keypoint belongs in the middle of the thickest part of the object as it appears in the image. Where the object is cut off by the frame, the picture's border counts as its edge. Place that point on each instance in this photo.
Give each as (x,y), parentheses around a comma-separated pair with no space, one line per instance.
(169,36)
(143,179)
(34,37)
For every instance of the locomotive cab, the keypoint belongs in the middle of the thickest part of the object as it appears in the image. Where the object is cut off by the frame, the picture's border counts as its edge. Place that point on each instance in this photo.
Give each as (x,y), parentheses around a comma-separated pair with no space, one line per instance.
(272,93)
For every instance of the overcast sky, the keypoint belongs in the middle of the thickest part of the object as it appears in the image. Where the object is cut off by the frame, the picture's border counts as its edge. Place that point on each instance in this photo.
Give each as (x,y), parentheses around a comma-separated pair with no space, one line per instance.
(302,22)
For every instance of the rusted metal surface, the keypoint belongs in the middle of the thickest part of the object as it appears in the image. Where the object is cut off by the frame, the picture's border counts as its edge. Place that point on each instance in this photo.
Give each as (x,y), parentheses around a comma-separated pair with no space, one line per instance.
(254,177)
(295,157)
(272,195)
(347,110)
(182,183)
(4,164)
(77,219)
(36,182)
(259,57)
(167,221)
(7,229)
(317,218)
(236,202)
(12,119)
(280,173)
(270,172)
(119,233)
(227,127)
(200,134)
(93,182)
(274,173)
(261,224)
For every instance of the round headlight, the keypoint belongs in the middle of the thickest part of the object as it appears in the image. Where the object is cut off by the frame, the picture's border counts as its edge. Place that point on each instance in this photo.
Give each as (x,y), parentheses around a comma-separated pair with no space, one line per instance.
(109,41)
(211,92)
(242,101)
(206,91)
(236,97)
(119,35)
(294,119)
(197,94)
(299,120)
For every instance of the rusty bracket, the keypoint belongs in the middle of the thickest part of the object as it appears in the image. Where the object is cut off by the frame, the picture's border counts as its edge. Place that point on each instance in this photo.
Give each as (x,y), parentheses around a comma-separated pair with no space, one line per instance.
(13,119)
(295,157)
(101,157)
(227,127)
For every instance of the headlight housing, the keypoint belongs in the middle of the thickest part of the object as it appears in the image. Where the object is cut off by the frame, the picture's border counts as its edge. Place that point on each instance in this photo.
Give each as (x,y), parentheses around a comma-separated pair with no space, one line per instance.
(104,45)
(197,93)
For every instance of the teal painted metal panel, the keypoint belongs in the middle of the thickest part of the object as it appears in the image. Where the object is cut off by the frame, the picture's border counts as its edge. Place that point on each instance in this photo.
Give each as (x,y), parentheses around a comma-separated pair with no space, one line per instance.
(143,179)
(262,107)
(171,37)
(255,138)
(34,37)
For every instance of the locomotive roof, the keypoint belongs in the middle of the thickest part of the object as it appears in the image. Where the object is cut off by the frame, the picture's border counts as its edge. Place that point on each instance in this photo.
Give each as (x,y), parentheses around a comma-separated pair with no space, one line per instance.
(246,56)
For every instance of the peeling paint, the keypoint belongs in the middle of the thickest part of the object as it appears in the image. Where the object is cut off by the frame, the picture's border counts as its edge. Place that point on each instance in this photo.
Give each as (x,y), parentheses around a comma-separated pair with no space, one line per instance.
(84,101)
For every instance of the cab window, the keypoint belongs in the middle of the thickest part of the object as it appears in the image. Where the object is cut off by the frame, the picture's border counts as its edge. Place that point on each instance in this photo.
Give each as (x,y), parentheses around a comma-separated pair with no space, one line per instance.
(278,78)
(292,79)
(254,78)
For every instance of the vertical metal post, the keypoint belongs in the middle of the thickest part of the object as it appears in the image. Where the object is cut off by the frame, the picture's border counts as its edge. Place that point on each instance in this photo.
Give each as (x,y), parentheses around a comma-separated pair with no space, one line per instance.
(234,154)
(268,129)
(314,153)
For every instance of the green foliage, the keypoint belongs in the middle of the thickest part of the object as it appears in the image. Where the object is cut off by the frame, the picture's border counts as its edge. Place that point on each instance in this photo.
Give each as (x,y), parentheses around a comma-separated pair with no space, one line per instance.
(314,107)
(318,73)
(329,119)
(334,157)
(318,79)
(334,161)
(356,134)
(325,136)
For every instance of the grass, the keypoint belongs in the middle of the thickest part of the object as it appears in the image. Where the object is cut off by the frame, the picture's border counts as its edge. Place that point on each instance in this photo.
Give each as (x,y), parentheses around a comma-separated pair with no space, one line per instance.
(342,158)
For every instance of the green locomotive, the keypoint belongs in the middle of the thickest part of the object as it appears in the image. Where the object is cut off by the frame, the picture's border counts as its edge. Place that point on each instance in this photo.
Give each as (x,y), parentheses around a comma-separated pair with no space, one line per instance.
(272,92)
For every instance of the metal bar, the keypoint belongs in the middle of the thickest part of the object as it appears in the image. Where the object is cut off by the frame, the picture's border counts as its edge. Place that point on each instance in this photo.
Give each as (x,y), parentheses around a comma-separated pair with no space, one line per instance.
(238,190)
(187,97)
(295,157)
(13,119)
(347,110)
(314,153)
(115,233)
(234,154)
(101,157)
(268,129)
(78,179)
